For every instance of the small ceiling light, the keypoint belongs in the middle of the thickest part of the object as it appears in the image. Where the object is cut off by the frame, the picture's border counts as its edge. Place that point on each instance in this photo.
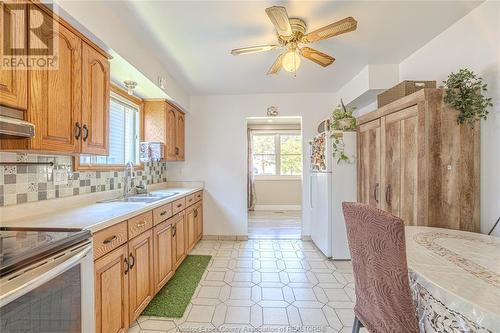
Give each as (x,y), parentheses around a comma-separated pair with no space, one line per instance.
(130,85)
(291,60)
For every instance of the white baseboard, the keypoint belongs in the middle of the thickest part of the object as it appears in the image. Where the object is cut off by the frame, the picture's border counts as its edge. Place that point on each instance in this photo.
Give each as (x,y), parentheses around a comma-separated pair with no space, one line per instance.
(278,207)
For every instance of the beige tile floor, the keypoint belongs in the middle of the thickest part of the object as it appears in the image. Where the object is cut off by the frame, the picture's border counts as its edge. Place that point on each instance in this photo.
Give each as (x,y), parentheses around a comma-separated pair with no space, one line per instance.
(274,224)
(264,286)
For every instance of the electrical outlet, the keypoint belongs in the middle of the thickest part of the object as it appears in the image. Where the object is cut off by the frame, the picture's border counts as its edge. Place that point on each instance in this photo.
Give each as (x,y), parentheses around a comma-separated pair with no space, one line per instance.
(60,176)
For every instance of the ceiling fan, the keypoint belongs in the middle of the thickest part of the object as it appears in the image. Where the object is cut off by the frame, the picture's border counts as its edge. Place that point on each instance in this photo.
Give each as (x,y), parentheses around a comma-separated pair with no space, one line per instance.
(292,33)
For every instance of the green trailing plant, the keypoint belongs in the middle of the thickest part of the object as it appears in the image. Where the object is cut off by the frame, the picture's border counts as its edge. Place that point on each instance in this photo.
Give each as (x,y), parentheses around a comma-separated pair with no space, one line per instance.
(465,93)
(342,121)
(338,150)
(342,118)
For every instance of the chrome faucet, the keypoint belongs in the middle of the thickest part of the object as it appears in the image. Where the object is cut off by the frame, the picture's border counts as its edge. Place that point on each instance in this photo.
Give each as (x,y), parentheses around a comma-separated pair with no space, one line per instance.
(129,175)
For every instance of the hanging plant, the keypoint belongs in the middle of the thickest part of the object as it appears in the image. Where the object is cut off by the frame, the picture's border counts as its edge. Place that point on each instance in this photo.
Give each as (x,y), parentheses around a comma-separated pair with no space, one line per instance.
(465,93)
(338,149)
(342,118)
(342,121)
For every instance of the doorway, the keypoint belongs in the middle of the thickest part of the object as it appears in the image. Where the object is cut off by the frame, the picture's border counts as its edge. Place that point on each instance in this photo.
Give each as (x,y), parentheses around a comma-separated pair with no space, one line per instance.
(274,177)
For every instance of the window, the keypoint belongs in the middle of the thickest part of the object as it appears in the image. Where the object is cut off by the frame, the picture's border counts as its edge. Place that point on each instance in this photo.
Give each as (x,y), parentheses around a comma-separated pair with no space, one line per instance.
(277,153)
(124,132)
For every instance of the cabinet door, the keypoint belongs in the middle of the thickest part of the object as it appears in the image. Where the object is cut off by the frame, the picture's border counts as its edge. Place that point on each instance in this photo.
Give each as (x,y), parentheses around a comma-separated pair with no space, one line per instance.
(141,282)
(180,239)
(179,135)
(191,227)
(55,95)
(399,163)
(95,102)
(170,144)
(13,82)
(111,292)
(369,163)
(163,261)
(198,217)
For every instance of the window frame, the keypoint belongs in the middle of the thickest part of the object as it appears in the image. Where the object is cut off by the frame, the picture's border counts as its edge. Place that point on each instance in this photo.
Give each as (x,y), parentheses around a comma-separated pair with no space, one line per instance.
(277,152)
(120,94)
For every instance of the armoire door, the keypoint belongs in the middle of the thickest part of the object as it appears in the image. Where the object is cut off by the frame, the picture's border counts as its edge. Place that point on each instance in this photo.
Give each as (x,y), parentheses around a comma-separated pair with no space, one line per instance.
(13,82)
(369,163)
(55,94)
(95,102)
(399,163)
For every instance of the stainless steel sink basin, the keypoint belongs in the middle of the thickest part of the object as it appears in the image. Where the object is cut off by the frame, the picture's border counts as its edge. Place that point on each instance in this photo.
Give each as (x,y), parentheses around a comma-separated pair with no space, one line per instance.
(142,198)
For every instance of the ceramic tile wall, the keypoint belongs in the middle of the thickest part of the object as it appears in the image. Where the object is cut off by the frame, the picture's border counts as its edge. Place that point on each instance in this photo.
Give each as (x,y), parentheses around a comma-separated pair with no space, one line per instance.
(20,184)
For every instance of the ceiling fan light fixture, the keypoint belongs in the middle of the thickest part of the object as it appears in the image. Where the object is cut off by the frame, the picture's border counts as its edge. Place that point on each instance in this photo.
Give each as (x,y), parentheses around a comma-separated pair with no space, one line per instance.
(291,61)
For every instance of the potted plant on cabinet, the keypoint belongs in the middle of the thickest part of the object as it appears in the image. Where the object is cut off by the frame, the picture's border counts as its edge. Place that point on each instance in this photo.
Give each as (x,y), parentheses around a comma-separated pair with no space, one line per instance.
(342,120)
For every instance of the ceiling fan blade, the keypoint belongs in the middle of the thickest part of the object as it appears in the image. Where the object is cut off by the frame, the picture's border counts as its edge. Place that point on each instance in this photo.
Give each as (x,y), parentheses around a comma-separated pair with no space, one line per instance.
(275,68)
(253,49)
(334,29)
(316,56)
(279,18)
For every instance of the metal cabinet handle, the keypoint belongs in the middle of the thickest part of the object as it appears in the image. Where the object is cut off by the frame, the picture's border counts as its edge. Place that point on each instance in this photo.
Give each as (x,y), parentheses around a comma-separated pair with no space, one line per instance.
(179,205)
(142,224)
(388,194)
(109,239)
(196,213)
(78,130)
(163,213)
(86,132)
(176,150)
(174,230)
(133,261)
(375,192)
(127,266)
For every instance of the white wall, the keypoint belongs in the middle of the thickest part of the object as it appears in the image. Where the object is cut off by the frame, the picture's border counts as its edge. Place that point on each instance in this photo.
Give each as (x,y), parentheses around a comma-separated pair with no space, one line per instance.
(473,42)
(216,145)
(278,192)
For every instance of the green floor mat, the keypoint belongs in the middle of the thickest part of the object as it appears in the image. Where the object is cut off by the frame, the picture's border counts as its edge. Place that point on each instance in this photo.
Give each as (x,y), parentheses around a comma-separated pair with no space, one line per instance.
(172,300)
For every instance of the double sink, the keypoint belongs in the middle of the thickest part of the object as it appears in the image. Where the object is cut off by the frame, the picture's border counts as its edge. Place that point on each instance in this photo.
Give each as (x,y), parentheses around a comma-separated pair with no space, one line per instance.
(142,198)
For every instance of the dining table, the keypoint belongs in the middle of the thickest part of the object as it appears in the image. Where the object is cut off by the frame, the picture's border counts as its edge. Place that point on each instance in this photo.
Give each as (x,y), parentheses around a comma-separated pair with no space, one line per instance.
(454,279)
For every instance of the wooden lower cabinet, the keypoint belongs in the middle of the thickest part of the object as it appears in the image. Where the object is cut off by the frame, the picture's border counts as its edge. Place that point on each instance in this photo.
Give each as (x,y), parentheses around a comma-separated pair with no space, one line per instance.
(141,283)
(111,291)
(191,227)
(180,238)
(131,265)
(198,221)
(162,253)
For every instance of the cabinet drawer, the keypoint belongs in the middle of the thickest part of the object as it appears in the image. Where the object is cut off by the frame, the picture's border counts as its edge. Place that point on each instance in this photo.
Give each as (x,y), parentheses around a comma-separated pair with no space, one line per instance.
(190,200)
(198,196)
(139,224)
(178,205)
(162,213)
(109,239)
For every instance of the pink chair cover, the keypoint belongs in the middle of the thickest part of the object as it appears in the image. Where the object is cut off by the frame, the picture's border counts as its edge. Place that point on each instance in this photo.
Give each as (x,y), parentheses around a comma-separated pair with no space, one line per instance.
(377,244)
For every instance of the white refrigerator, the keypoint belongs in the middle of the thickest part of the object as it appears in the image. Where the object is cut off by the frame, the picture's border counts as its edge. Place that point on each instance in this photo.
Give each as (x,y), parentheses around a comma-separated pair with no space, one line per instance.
(331,183)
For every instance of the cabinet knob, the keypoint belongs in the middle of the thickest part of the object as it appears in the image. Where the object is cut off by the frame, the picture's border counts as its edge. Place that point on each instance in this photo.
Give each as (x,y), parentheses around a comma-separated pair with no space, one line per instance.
(142,224)
(109,239)
(78,130)
(85,132)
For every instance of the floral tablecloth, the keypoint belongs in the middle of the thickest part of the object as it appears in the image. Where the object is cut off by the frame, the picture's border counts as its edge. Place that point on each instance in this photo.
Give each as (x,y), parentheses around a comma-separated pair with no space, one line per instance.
(455,279)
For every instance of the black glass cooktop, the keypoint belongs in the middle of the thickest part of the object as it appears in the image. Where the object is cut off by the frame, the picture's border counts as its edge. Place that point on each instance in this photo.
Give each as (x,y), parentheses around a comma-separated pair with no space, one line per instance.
(20,247)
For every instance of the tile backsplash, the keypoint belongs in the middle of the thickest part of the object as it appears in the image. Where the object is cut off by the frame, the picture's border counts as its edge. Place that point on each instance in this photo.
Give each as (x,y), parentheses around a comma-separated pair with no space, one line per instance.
(28,183)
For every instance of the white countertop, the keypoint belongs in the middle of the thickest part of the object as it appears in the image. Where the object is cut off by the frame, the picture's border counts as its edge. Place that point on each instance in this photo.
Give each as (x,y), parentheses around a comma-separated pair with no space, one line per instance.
(88,215)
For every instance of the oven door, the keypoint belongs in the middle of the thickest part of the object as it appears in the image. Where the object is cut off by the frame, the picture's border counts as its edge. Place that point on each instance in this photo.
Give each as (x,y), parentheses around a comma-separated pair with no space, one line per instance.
(54,295)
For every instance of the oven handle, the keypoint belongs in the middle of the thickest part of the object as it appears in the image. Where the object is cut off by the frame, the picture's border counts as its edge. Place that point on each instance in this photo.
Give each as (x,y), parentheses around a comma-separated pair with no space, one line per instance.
(29,283)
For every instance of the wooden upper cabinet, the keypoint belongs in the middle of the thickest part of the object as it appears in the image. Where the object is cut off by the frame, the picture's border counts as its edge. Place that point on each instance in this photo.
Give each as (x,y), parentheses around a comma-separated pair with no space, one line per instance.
(171,135)
(141,282)
(111,292)
(179,136)
(95,102)
(55,94)
(13,82)
(164,123)
(369,163)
